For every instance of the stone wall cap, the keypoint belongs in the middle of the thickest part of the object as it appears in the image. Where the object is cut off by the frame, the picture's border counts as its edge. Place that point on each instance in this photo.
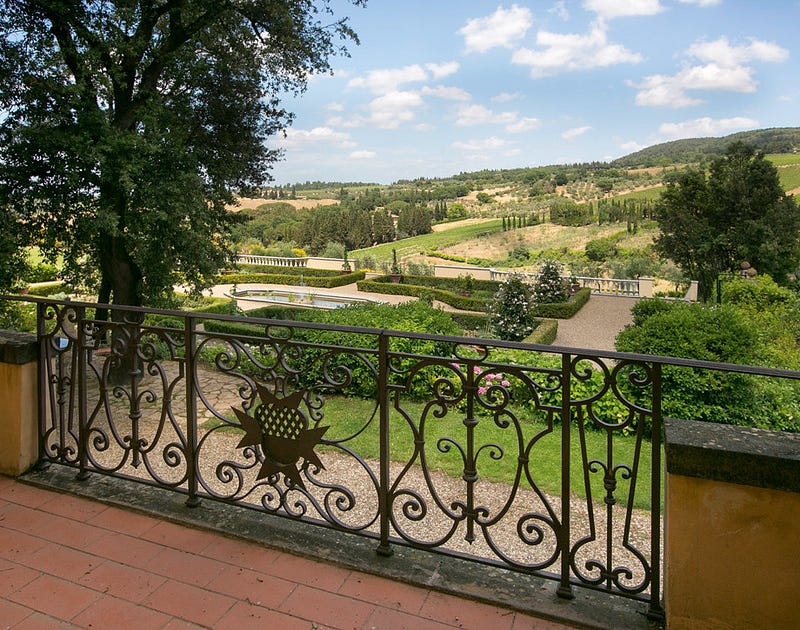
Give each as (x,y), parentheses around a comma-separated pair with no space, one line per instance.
(17,347)
(741,455)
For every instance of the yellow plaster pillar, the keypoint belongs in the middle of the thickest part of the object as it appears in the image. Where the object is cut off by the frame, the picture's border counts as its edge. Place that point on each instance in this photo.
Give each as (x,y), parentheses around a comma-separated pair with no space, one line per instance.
(732,527)
(18,403)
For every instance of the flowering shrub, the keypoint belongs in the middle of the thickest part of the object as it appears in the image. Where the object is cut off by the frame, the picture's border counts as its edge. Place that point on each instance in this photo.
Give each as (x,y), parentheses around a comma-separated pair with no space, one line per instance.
(490,379)
(510,314)
(550,287)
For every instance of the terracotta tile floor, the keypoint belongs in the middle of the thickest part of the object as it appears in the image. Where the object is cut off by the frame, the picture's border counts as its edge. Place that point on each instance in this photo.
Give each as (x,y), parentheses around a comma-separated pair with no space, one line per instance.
(68,562)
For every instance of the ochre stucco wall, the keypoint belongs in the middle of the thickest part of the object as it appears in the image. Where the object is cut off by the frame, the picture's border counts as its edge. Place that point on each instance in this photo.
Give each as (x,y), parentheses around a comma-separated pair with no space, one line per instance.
(18,417)
(733,556)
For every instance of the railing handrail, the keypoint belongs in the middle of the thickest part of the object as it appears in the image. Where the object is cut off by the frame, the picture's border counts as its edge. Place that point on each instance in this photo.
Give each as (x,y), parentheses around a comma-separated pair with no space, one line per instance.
(467,341)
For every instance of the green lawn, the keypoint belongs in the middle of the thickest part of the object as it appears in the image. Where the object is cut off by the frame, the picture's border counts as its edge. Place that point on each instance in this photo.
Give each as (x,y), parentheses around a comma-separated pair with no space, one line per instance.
(346,416)
(455,233)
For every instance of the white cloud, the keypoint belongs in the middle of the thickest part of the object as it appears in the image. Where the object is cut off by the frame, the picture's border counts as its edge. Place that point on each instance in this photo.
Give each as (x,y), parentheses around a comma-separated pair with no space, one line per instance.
(506,97)
(441,70)
(391,110)
(447,93)
(704,127)
(469,115)
(363,155)
(568,52)
(724,68)
(489,144)
(317,135)
(338,121)
(610,9)
(632,146)
(571,134)
(388,80)
(702,3)
(560,9)
(524,124)
(721,52)
(499,30)
(335,107)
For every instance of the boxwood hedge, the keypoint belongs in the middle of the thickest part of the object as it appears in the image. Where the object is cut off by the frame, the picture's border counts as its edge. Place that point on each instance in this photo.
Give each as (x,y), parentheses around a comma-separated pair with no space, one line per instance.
(338,279)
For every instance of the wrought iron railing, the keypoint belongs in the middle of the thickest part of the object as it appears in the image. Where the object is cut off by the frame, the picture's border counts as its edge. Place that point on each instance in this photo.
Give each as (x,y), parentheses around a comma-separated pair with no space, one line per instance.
(439,443)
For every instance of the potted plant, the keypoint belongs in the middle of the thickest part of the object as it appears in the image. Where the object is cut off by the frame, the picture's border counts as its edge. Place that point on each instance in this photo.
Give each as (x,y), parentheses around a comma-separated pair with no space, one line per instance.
(396,272)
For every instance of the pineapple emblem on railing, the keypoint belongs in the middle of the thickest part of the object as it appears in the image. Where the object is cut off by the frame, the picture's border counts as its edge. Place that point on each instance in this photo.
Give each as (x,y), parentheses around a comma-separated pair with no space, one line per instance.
(282,431)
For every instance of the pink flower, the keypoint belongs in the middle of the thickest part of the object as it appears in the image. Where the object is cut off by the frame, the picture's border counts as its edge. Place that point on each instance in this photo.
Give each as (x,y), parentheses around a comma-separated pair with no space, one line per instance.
(476,370)
(505,383)
(481,390)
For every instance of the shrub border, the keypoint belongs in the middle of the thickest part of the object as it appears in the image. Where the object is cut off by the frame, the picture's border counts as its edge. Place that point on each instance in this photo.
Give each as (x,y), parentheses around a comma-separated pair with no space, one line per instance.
(324,282)
(383,284)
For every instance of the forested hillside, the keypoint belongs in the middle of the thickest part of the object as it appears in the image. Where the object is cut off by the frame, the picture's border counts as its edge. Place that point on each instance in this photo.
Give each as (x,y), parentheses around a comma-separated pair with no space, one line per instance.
(778,140)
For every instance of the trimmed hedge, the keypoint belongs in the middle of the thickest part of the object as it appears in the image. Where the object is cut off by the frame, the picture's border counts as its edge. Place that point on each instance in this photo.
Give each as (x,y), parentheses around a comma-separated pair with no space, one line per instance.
(445,284)
(46,289)
(214,306)
(338,279)
(418,286)
(564,310)
(384,285)
(470,321)
(544,333)
(288,271)
(478,262)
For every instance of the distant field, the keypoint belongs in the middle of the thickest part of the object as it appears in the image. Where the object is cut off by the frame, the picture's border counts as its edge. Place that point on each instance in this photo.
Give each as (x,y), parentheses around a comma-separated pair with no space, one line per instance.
(547,236)
(457,232)
(651,194)
(784,159)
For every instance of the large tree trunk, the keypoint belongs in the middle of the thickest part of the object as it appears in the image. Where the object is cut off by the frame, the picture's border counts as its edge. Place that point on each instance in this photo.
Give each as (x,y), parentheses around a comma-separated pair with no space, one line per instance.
(123,277)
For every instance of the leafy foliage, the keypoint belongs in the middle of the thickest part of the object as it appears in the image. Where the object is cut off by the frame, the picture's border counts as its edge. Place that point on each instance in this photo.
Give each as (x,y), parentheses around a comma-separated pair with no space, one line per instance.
(550,286)
(511,312)
(738,212)
(728,333)
(414,316)
(129,126)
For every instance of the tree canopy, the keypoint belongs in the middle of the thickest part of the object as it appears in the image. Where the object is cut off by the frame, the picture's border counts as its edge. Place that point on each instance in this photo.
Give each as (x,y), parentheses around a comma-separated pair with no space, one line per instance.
(737,212)
(129,125)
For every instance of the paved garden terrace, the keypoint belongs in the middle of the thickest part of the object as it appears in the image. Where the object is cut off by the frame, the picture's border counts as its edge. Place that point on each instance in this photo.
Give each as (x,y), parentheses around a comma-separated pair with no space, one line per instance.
(135,554)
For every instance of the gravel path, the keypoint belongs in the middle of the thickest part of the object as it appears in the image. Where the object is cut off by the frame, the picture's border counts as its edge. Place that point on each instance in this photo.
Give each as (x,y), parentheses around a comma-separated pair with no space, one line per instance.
(596,325)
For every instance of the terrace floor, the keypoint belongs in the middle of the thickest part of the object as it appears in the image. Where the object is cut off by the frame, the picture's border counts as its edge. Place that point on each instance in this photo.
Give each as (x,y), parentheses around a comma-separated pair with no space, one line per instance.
(68,561)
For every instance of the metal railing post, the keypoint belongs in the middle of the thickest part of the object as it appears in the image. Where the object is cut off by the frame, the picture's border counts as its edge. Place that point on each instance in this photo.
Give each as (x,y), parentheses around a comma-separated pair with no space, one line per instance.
(564,587)
(83,398)
(655,610)
(189,328)
(384,549)
(42,387)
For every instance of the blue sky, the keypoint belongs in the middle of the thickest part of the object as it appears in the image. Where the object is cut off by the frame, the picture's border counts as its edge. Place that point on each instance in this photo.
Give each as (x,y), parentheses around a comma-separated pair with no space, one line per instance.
(443,86)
